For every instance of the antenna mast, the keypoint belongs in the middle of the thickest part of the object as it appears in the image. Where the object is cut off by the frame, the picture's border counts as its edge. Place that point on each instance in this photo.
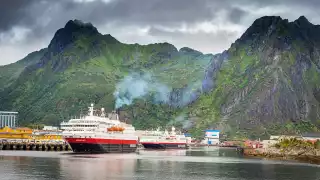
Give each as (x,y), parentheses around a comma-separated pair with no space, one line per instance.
(91,110)
(102,112)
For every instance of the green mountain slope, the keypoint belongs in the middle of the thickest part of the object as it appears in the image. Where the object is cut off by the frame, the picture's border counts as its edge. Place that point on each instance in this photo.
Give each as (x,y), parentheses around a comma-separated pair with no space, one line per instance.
(9,73)
(81,66)
(270,82)
(267,82)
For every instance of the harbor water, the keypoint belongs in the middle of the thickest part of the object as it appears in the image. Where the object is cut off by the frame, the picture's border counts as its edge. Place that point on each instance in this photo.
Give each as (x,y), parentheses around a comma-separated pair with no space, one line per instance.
(203,164)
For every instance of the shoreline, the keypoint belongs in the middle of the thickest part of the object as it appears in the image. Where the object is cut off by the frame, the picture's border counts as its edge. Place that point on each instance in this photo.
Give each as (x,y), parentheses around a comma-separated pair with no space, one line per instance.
(284,155)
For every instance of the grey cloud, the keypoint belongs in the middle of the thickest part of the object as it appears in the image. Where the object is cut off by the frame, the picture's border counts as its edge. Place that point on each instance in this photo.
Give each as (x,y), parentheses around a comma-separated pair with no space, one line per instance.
(126,12)
(162,12)
(13,12)
(137,12)
(236,14)
(203,41)
(44,17)
(308,3)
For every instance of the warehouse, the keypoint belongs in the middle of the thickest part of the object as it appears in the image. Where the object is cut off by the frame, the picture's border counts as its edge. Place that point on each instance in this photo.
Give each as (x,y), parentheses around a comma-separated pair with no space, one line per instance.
(8,119)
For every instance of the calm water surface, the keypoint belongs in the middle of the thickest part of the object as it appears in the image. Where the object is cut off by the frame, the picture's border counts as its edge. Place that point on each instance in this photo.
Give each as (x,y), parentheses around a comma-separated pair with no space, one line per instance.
(201,164)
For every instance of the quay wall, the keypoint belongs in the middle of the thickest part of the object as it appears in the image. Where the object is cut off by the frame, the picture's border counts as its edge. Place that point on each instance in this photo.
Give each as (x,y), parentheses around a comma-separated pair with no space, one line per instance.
(26,146)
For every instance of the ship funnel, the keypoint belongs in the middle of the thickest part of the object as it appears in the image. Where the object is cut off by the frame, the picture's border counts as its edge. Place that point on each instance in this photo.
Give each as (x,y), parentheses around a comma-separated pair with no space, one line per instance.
(118,111)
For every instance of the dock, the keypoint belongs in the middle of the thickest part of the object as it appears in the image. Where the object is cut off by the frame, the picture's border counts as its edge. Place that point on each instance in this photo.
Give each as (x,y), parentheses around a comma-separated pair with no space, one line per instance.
(34,146)
(26,139)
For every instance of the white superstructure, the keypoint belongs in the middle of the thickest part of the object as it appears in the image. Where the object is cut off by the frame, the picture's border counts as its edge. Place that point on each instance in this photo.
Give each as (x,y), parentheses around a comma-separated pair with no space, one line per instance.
(163,136)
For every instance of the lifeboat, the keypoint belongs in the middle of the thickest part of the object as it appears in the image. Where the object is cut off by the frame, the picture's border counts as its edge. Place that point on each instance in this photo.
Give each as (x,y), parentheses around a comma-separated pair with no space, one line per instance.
(115,128)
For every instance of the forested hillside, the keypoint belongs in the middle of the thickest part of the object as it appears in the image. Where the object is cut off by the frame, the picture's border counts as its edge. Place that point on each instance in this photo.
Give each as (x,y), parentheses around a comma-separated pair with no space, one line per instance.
(267,82)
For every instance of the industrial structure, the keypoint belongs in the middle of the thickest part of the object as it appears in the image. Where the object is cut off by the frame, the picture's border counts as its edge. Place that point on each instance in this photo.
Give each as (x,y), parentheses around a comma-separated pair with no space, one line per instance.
(8,119)
(23,133)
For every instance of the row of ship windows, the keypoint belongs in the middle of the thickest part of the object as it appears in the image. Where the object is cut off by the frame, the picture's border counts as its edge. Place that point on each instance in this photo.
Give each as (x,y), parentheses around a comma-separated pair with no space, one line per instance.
(81,130)
(79,126)
(101,122)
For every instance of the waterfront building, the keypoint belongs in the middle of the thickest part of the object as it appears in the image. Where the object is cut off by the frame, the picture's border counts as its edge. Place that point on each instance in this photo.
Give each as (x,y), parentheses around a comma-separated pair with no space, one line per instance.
(50,128)
(8,119)
(212,137)
(15,133)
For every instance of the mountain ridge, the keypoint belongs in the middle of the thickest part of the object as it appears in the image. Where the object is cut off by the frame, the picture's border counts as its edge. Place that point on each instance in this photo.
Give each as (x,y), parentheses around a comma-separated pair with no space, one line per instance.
(267,82)
(80,66)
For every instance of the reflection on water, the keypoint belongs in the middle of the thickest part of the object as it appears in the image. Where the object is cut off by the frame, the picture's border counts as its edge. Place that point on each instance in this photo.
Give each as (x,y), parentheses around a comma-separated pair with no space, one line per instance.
(79,168)
(204,163)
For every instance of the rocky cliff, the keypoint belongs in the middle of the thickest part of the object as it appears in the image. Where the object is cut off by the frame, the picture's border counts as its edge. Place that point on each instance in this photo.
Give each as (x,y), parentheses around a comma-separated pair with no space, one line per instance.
(270,79)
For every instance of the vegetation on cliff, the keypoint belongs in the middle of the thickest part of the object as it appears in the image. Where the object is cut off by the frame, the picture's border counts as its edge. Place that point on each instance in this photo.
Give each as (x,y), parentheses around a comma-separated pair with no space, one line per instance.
(267,82)
(289,144)
(81,66)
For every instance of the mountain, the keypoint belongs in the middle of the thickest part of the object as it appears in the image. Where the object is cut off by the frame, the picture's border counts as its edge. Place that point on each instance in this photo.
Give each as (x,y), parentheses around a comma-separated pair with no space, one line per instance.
(269,82)
(149,83)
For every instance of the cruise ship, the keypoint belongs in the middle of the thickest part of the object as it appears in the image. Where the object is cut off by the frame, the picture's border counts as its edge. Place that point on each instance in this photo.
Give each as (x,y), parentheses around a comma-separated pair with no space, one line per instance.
(164,140)
(98,133)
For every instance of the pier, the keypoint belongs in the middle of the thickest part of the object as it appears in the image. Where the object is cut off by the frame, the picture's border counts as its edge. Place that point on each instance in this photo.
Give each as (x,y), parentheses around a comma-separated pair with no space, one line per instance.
(26,139)
(34,146)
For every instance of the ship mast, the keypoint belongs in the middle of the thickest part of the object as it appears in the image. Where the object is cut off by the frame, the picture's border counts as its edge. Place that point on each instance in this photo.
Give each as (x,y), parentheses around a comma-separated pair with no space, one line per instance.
(173,130)
(91,110)
(102,112)
(116,112)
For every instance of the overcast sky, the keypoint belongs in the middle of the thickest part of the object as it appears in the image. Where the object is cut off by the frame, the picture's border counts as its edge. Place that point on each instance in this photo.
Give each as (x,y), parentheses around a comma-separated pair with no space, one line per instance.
(206,25)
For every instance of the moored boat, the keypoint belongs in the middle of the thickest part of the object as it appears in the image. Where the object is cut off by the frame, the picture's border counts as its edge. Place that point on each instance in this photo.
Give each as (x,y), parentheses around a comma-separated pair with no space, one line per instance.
(163,140)
(98,133)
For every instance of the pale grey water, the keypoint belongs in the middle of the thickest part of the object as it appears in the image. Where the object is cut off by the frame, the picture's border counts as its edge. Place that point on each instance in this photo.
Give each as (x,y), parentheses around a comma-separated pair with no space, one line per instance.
(203,164)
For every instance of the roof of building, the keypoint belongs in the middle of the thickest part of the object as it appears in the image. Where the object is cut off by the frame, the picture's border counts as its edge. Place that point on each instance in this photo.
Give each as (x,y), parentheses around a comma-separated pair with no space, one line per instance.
(8,112)
(313,135)
(23,128)
(211,130)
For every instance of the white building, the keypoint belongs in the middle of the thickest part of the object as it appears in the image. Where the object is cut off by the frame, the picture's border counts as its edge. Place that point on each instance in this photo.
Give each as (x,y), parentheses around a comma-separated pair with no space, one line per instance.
(212,137)
(50,128)
(8,119)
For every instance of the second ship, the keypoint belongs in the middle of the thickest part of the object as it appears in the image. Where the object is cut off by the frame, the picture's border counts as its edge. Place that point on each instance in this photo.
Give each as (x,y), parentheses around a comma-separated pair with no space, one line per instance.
(98,133)
(164,140)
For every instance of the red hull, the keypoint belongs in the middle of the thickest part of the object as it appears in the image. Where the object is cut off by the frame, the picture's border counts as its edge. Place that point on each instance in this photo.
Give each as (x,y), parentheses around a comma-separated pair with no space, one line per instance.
(164,145)
(100,145)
